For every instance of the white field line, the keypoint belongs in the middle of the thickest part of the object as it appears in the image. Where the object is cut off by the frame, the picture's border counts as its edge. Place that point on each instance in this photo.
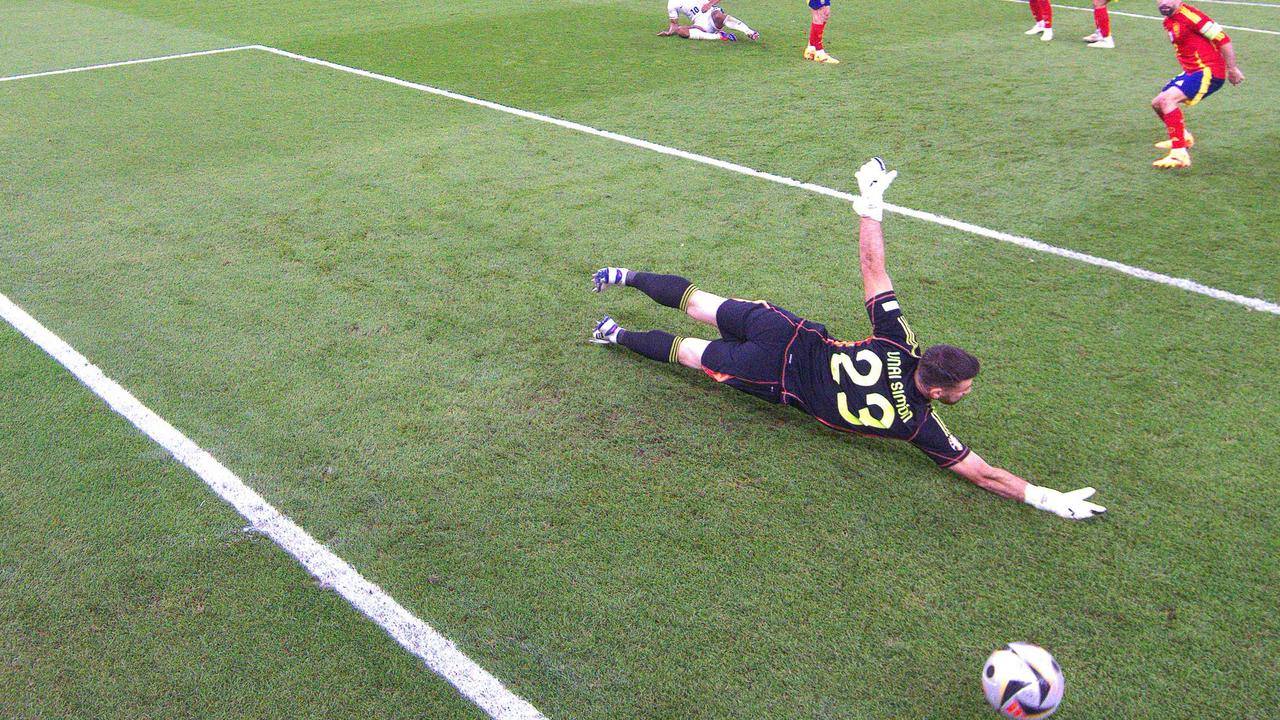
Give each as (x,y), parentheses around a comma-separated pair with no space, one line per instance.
(140,61)
(1141,273)
(439,654)
(1238,2)
(1183,283)
(419,638)
(1153,17)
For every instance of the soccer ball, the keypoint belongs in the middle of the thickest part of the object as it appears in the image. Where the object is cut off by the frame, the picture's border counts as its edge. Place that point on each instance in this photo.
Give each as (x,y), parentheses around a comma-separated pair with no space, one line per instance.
(1022,680)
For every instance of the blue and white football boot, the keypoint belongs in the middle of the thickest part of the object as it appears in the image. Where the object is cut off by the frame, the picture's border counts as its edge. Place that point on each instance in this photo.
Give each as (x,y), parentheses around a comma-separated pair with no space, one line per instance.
(607,276)
(606,331)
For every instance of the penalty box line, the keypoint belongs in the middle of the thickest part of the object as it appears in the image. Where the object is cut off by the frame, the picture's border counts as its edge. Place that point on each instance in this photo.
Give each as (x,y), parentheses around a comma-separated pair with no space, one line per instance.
(1025,242)
(123,63)
(411,632)
(1153,17)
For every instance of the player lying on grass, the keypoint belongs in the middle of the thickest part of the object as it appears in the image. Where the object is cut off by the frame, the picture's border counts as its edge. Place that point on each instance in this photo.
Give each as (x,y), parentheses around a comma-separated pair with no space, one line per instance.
(707,22)
(1207,58)
(881,386)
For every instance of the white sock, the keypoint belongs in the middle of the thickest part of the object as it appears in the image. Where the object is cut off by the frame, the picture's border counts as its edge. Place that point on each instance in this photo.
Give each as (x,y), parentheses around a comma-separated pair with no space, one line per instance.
(734,23)
(696,34)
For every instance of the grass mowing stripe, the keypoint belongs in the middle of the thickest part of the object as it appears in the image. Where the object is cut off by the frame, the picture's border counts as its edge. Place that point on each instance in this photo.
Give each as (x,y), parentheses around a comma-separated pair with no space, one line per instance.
(1131,270)
(1152,17)
(1141,273)
(122,63)
(419,638)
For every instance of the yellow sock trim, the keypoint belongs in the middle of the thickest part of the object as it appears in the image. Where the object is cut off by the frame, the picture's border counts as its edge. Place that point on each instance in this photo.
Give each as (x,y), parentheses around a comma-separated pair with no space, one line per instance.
(674,355)
(684,299)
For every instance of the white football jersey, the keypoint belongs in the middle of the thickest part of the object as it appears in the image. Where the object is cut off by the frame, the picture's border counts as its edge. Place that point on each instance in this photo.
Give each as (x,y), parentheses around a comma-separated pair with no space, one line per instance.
(693,11)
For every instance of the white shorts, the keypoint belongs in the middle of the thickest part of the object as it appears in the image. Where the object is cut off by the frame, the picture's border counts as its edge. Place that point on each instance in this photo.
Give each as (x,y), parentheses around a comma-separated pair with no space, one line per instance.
(705,23)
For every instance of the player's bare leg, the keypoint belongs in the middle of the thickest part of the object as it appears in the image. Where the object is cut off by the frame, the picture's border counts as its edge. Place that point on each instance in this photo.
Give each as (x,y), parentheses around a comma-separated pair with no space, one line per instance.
(703,306)
(734,23)
(692,33)
(689,352)
(815,50)
(1166,107)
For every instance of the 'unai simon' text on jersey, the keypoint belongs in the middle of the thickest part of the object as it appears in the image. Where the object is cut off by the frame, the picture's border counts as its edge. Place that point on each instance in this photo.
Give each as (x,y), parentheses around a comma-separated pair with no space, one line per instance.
(868,387)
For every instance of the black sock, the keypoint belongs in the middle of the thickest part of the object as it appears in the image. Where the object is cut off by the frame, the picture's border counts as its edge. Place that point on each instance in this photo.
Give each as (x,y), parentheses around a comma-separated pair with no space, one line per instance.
(670,290)
(654,344)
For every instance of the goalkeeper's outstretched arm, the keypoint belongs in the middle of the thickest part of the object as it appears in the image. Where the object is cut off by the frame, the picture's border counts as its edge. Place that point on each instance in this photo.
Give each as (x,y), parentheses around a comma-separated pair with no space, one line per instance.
(873,180)
(875,279)
(1073,505)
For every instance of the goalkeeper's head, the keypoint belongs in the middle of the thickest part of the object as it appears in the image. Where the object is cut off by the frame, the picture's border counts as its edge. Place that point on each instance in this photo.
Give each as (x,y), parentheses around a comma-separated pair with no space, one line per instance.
(946,373)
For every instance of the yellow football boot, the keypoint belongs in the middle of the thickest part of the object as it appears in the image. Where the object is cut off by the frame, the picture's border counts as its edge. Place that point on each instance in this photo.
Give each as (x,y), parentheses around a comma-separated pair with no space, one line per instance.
(1168,144)
(809,52)
(822,57)
(1177,158)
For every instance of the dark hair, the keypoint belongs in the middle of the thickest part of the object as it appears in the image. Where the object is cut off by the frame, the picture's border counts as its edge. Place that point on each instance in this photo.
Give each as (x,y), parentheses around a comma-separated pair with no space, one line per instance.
(946,365)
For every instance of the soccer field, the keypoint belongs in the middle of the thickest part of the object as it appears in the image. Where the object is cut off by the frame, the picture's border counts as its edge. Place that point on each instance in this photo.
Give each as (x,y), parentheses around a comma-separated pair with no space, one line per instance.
(371,302)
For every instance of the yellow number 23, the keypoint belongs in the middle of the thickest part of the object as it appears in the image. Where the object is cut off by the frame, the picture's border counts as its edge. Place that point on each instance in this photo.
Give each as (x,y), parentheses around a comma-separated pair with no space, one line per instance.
(842,361)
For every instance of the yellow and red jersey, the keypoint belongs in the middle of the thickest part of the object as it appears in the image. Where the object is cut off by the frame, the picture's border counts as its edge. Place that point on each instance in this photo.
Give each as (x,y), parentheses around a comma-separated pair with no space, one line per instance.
(1196,39)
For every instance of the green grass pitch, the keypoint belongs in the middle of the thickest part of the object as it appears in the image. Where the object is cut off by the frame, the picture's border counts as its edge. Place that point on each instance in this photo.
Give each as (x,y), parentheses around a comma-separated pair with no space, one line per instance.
(371,303)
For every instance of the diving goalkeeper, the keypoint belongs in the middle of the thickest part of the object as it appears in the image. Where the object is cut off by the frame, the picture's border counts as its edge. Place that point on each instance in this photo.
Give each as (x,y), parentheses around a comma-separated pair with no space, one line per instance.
(882,386)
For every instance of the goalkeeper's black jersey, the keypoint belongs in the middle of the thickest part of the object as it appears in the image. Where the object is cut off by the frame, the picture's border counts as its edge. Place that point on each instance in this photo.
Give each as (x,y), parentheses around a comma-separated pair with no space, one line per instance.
(867,387)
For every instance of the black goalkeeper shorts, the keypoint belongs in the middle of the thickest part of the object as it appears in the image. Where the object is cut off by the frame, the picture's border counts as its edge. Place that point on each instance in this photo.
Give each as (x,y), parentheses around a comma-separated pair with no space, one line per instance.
(752,348)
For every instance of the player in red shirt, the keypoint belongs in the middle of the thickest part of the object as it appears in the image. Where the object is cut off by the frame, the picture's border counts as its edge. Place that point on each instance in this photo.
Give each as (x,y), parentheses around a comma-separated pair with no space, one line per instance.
(1042,11)
(1207,59)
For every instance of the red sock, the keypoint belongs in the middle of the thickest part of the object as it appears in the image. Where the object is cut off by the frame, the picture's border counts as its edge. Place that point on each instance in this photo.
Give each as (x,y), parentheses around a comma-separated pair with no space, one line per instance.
(815,34)
(1035,11)
(1102,19)
(1046,13)
(1177,128)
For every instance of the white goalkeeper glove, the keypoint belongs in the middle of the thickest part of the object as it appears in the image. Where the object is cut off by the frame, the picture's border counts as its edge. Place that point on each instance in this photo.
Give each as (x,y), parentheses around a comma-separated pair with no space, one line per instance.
(1072,505)
(873,180)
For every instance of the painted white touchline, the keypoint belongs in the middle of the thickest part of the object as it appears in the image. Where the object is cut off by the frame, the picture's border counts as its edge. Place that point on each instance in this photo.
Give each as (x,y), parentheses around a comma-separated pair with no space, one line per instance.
(436,651)
(1238,2)
(1149,17)
(419,638)
(122,63)
(1183,283)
